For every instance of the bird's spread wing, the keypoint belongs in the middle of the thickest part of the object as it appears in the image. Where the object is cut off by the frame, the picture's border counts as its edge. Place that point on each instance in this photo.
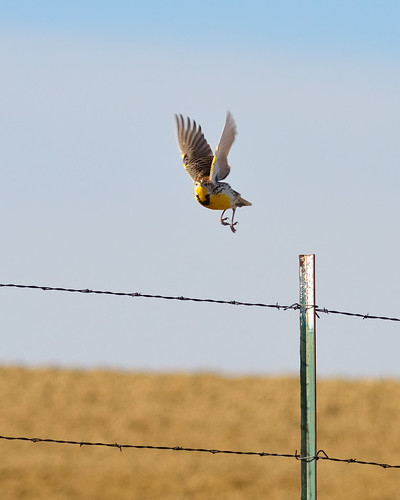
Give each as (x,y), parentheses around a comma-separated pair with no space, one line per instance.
(195,150)
(220,168)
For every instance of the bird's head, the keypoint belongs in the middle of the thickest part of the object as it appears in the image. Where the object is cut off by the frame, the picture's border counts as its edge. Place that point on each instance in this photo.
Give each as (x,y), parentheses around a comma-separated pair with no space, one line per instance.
(201,192)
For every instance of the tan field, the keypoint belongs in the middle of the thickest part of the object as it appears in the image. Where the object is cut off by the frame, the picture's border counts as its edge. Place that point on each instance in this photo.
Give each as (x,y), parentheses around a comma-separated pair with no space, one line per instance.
(355,420)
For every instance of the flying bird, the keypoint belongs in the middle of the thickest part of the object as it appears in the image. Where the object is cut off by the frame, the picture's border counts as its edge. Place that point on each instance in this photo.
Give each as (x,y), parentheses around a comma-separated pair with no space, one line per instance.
(208,169)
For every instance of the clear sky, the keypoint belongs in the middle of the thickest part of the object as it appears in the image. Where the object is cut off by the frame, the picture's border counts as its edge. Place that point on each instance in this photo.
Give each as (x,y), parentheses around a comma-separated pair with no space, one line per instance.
(93,193)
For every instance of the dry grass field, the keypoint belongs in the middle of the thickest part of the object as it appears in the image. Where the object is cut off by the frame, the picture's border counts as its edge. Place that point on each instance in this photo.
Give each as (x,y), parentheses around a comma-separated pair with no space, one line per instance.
(355,419)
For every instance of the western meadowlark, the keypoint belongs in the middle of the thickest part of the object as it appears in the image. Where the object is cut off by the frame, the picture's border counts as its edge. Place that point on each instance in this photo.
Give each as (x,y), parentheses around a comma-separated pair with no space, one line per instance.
(208,169)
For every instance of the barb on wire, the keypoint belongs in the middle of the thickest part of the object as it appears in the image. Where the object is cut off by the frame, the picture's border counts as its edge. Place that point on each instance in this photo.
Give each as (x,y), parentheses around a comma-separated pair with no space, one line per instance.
(320,455)
(277,306)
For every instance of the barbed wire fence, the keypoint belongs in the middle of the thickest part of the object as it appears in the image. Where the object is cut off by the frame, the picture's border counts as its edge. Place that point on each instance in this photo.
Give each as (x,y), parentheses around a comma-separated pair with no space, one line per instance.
(320,455)
(294,306)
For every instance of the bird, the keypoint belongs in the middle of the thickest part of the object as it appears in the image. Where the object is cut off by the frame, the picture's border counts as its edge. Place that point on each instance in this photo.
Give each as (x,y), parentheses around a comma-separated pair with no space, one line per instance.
(208,169)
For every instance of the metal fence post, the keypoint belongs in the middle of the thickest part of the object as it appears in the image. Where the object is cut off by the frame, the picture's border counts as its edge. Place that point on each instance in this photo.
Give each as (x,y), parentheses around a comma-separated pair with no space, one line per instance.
(308,378)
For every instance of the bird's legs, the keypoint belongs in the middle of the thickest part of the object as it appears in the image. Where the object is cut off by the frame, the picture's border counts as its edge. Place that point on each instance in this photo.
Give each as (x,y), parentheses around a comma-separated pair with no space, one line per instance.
(223,220)
(233,223)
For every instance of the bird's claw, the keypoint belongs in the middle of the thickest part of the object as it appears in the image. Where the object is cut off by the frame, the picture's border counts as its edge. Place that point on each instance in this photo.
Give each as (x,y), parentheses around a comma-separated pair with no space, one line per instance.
(223,221)
(232,227)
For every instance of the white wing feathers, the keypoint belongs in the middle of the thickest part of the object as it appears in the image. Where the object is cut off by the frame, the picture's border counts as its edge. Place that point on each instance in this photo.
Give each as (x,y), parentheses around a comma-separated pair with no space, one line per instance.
(220,168)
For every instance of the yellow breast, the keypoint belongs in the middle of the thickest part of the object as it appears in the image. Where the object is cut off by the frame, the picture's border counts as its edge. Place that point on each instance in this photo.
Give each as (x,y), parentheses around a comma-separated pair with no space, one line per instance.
(218,201)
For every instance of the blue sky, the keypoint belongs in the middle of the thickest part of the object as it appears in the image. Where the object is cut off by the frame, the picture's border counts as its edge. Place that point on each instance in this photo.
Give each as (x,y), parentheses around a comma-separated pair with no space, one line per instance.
(337,26)
(94,195)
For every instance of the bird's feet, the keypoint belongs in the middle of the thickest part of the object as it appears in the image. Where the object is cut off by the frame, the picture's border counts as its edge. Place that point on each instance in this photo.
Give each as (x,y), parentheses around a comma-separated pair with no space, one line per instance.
(224,221)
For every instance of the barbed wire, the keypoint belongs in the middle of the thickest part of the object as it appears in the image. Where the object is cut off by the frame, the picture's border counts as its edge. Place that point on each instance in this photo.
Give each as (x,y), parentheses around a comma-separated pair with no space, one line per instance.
(320,455)
(294,306)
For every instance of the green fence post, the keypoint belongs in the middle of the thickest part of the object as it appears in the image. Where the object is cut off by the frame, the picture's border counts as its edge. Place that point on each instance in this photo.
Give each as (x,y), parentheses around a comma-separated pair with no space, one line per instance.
(308,378)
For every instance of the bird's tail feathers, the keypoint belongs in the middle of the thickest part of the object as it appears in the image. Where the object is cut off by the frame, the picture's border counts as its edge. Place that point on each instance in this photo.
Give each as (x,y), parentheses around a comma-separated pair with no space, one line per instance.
(243,203)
